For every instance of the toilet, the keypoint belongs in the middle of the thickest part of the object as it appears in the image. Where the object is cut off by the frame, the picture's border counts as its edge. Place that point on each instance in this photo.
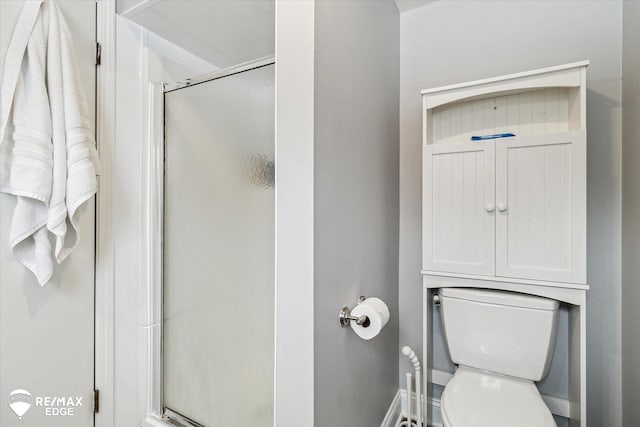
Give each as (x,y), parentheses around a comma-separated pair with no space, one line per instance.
(501,342)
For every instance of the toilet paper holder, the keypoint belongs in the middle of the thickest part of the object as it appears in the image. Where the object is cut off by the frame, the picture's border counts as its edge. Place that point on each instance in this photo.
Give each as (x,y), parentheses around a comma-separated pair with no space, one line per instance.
(345,317)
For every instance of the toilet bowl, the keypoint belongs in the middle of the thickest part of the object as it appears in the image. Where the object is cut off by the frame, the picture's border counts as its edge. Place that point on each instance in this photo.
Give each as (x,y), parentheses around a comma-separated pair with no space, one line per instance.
(480,399)
(502,343)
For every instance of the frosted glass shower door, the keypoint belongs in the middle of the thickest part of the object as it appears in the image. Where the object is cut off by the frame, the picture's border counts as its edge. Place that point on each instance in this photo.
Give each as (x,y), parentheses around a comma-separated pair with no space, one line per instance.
(219,239)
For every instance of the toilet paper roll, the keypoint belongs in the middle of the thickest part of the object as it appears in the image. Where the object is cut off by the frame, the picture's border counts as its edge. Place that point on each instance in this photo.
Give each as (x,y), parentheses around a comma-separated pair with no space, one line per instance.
(377,312)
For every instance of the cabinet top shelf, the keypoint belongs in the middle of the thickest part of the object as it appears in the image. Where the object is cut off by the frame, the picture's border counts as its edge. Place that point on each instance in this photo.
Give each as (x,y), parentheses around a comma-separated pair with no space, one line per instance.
(567,75)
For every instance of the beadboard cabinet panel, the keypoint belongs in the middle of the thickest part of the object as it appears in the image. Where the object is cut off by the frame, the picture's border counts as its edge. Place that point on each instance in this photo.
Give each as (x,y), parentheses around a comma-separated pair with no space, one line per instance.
(523,113)
(540,198)
(459,209)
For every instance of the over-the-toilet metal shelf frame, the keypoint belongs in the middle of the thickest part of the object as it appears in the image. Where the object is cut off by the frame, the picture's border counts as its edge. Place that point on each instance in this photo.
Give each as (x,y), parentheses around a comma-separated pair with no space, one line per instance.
(571,76)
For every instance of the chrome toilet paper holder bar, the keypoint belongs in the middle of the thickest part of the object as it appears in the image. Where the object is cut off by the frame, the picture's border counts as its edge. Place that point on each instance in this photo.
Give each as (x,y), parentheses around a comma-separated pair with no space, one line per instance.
(345,317)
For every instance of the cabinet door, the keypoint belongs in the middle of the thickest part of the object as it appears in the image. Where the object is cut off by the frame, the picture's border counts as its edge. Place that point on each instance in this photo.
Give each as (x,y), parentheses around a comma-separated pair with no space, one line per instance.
(541,207)
(459,207)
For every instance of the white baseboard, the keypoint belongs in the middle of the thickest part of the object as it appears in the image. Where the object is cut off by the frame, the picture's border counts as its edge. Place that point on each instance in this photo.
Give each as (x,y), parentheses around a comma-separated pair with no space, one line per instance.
(393,413)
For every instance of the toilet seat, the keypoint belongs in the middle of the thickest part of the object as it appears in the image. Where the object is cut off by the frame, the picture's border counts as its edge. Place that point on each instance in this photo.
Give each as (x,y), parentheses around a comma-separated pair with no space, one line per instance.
(476,398)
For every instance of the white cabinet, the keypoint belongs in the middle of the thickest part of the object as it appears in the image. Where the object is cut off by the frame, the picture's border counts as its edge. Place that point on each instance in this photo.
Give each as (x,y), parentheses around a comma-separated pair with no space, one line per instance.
(507,207)
(512,207)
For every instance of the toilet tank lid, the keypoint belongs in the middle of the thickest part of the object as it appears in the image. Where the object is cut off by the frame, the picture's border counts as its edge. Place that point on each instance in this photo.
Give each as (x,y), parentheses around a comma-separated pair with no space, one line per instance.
(488,296)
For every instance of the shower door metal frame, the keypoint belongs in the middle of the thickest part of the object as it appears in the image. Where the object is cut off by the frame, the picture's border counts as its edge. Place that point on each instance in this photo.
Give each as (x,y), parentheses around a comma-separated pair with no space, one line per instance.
(215,75)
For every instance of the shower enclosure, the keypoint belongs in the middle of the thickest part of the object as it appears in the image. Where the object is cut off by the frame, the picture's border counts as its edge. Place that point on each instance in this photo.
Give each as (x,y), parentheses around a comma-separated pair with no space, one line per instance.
(218,249)
(230,318)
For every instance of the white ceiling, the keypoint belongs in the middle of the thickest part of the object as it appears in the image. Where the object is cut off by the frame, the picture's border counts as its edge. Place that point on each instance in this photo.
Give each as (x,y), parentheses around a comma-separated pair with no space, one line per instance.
(404,5)
(221,32)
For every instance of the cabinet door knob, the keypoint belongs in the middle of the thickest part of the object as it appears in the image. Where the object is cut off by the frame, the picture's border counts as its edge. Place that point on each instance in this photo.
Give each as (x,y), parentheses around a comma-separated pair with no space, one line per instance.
(502,207)
(490,207)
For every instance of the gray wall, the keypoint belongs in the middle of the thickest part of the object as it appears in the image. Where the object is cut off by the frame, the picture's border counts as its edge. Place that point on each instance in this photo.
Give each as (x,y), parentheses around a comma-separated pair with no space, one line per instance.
(630,212)
(356,206)
(456,41)
(46,333)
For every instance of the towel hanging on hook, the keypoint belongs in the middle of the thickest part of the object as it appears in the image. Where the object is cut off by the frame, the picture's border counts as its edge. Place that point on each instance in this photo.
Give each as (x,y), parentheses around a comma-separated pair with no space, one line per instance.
(48,159)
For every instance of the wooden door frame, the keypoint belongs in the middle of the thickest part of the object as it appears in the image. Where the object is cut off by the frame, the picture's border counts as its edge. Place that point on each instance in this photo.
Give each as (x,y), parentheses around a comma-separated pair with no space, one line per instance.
(104,269)
(148,411)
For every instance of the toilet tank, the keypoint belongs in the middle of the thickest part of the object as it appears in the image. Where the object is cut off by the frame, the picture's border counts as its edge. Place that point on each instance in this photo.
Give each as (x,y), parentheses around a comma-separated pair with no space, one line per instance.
(503,332)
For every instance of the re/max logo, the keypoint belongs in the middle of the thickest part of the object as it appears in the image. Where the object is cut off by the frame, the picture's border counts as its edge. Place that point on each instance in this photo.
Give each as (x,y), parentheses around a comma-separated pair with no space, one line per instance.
(58,401)
(58,406)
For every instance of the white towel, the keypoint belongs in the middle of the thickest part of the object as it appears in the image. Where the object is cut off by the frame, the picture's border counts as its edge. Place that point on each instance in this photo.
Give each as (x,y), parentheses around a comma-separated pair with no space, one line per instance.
(48,158)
